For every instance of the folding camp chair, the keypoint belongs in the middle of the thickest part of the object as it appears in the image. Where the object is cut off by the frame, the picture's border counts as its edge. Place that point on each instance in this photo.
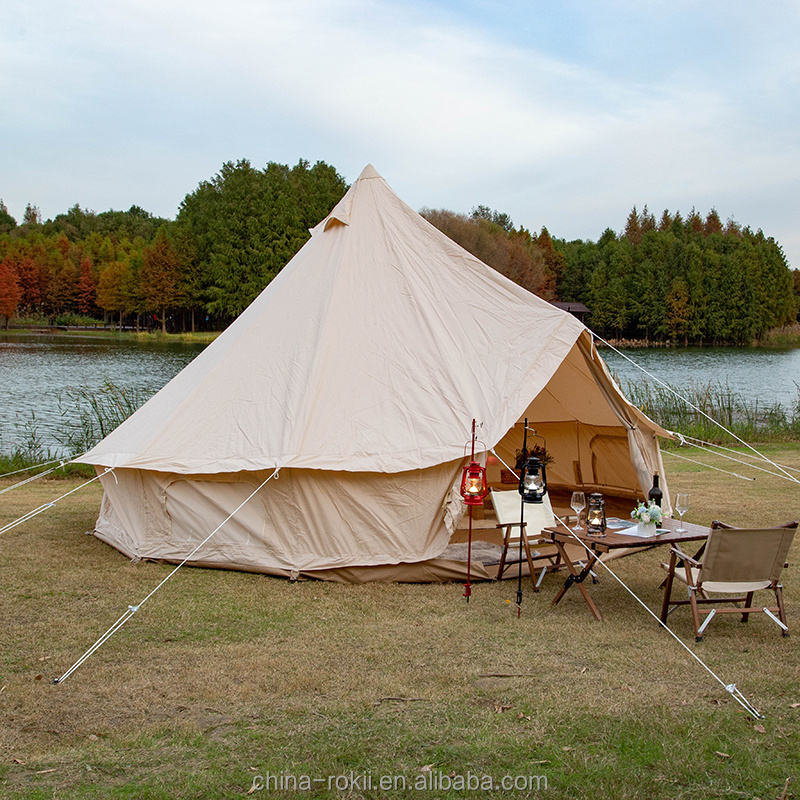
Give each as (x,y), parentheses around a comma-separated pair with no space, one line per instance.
(737,563)
(538,516)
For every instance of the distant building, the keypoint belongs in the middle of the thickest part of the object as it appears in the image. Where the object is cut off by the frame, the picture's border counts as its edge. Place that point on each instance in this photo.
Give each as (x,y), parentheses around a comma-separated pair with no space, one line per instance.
(578,310)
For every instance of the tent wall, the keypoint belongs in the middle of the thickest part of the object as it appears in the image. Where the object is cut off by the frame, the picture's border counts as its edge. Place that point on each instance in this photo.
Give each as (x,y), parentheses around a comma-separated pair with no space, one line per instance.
(302,521)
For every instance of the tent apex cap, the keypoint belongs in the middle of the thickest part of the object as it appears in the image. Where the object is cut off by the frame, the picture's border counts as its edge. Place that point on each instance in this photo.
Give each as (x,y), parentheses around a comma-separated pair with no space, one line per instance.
(369,172)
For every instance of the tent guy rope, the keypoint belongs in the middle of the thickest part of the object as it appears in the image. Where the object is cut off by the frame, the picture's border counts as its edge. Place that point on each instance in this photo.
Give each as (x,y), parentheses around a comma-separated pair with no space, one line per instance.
(729,687)
(131,610)
(32,477)
(35,466)
(691,440)
(708,466)
(36,511)
(695,408)
(709,447)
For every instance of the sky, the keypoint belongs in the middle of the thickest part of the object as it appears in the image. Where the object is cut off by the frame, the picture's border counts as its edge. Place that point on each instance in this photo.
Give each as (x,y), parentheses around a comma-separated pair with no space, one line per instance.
(561,114)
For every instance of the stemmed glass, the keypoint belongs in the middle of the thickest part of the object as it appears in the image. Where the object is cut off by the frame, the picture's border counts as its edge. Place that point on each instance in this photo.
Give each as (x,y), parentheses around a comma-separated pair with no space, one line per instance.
(578,503)
(681,506)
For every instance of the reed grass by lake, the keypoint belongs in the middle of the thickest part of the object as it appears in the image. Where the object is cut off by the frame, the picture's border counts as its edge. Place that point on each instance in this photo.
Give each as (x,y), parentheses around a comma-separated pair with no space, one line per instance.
(699,410)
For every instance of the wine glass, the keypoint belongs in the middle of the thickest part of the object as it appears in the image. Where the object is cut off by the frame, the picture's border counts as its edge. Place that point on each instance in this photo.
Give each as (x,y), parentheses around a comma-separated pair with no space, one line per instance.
(681,506)
(578,503)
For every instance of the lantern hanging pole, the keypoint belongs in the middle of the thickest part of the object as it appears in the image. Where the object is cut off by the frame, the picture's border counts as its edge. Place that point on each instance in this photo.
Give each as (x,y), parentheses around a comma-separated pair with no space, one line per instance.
(468,585)
(521,523)
(474,490)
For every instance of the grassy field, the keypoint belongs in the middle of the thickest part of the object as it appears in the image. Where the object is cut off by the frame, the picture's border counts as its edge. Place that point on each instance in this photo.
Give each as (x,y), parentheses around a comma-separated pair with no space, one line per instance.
(227,685)
(198,337)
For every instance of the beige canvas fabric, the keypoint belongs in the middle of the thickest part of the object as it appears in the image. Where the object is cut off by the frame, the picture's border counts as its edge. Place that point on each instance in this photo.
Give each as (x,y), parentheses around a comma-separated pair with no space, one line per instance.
(358,372)
(538,516)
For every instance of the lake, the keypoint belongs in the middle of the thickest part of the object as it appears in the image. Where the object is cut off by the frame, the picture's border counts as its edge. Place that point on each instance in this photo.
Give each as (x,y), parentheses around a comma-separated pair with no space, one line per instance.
(760,374)
(36,371)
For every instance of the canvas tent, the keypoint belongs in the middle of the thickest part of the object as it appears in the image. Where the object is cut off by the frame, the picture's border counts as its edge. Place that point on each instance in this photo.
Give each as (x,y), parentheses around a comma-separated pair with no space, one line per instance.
(357,372)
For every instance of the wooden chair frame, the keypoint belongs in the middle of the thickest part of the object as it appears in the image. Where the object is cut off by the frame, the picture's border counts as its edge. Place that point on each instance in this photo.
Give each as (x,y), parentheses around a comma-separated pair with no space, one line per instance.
(719,571)
(551,560)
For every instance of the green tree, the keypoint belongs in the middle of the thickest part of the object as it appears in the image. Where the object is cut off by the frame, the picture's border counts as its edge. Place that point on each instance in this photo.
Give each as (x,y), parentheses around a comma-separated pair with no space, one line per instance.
(247,223)
(32,215)
(159,277)
(499,218)
(7,222)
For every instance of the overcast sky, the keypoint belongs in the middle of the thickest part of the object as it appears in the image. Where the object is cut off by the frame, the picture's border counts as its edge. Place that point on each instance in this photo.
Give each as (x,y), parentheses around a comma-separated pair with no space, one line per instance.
(562,114)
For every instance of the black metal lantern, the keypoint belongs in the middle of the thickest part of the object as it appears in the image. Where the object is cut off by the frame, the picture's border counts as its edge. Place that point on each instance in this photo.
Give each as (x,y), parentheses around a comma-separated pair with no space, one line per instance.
(596,515)
(533,481)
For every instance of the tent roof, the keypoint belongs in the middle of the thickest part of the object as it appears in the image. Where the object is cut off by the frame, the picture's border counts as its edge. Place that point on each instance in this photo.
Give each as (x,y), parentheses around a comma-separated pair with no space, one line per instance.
(372,350)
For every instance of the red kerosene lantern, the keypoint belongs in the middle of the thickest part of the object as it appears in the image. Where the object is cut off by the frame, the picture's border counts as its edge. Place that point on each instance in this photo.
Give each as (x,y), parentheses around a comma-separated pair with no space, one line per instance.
(473,484)
(473,489)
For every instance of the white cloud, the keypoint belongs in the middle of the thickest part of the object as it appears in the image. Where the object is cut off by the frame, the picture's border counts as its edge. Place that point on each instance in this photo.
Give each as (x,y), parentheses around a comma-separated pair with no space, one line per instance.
(136,101)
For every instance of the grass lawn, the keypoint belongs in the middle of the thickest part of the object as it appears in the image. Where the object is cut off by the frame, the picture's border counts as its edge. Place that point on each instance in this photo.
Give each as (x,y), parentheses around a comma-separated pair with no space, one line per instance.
(227,684)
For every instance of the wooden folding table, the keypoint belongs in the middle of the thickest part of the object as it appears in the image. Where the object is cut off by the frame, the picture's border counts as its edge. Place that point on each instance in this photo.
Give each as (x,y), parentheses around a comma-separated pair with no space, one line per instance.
(613,540)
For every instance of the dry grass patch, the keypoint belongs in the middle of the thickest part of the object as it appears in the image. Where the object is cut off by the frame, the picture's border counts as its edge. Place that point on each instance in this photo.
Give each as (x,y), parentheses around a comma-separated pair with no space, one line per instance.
(222,676)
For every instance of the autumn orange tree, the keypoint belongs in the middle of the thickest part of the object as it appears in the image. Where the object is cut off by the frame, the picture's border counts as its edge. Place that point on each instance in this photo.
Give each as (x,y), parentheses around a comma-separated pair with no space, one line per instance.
(10,293)
(160,277)
(490,236)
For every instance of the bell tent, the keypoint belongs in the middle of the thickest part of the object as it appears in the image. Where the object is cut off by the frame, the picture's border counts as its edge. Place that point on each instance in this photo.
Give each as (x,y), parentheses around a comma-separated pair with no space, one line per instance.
(357,373)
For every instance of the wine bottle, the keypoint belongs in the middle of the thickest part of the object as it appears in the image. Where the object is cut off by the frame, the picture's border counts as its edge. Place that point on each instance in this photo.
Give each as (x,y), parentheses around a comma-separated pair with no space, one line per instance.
(655,494)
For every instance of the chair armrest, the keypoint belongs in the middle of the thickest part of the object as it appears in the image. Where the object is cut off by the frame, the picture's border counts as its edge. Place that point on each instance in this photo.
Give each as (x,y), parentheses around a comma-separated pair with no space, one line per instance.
(511,525)
(681,555)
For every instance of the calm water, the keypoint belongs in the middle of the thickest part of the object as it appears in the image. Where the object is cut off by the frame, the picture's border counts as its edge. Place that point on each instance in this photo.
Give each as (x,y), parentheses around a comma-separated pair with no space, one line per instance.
(36,370)
(766,375)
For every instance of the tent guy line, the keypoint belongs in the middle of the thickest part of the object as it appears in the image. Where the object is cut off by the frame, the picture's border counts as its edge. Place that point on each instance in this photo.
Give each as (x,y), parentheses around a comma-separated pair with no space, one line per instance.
(36,511)
(729,687)
(58,461)
(33,477)
(131,610)
(691,441)
(718,469)
(694,407)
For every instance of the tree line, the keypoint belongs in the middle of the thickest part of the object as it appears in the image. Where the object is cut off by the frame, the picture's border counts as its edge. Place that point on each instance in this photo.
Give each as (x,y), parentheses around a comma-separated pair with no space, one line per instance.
(690,280)
(230,237)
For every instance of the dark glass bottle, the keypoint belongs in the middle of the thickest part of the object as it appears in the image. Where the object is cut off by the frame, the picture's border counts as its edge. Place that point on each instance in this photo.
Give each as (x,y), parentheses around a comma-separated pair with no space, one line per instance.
(655,494)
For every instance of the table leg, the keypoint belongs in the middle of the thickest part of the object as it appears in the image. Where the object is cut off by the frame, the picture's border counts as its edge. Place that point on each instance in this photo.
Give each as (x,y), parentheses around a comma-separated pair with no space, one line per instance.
(667,584)
(577,577)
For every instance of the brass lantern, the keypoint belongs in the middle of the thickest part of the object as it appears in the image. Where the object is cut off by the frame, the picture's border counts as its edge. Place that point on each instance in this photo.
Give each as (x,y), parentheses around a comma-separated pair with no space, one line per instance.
(596,515)
(533,480)
(473,484)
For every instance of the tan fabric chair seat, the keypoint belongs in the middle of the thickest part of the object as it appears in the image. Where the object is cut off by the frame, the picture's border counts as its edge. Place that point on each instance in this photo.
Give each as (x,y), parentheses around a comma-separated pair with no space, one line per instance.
(720,587)
(737,562)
